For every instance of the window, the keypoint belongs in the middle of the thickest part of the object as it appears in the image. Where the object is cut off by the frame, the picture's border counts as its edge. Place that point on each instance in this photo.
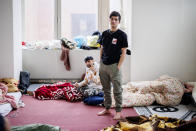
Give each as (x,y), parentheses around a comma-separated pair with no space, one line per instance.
(53,19)
(38,20)
(78,17)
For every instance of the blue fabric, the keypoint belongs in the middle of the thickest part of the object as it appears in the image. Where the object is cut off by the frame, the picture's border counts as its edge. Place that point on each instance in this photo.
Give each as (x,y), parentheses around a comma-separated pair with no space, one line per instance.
(93,100)
(80,40)
(100,94)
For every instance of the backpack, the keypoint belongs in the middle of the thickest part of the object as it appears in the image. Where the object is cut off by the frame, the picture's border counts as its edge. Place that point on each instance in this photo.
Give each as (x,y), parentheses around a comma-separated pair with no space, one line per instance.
(24,81)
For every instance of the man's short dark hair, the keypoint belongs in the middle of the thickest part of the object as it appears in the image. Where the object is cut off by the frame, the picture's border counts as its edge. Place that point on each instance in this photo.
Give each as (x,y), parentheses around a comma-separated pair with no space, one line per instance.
(115,13)
(88,58)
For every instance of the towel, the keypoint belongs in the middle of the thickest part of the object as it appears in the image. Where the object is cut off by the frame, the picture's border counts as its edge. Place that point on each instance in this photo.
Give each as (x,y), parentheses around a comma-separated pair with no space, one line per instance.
(65,57)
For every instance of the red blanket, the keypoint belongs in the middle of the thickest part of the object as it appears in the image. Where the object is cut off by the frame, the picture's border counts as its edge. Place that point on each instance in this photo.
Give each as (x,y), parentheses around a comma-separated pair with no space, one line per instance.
(58,91)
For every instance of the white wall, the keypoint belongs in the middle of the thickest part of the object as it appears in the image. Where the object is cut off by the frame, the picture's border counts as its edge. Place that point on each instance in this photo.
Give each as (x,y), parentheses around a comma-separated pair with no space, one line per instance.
(6,39)
(10,42)
(164,39)
(17,35)
(46,64)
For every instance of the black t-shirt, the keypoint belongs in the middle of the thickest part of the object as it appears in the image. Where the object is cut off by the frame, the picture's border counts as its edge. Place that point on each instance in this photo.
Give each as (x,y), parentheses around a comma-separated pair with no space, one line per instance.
(112,43)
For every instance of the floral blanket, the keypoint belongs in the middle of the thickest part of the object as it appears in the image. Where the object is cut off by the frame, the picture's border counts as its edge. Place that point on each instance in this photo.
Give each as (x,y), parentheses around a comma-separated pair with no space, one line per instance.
(58,91)
(165,90)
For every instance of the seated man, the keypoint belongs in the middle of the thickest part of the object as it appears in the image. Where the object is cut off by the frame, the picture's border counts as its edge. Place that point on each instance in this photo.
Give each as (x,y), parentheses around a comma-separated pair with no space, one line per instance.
(91,84)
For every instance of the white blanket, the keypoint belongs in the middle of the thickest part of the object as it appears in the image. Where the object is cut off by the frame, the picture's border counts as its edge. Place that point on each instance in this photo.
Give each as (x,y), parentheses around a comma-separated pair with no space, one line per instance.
(6,108)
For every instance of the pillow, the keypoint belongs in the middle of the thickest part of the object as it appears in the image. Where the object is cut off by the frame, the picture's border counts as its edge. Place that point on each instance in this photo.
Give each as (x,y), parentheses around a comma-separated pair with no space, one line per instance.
(11,83)
(12,88)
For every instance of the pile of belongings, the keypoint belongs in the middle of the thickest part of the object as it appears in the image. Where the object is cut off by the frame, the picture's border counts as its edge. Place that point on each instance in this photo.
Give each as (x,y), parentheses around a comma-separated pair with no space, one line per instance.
(43,44)
(68,44)
(153,123)
(89,42)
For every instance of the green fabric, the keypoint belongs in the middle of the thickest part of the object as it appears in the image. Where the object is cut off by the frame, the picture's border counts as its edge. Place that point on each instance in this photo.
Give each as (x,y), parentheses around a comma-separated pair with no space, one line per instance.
(111,74)
(36,127)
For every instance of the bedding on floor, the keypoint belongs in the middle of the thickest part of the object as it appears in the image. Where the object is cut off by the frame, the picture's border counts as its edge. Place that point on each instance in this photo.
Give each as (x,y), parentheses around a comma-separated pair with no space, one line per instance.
(91,94)
(94,100)
(4,98)
(90,90)
(58,91)
(153,123)
(36,127)
(6,107)
(165,90)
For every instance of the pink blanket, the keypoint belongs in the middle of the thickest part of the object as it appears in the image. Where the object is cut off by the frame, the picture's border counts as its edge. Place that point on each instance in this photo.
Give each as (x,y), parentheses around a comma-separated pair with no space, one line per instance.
(4,98)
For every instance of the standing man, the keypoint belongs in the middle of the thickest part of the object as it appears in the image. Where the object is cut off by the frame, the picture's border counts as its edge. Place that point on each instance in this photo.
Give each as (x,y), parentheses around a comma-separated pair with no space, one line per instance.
(112,53)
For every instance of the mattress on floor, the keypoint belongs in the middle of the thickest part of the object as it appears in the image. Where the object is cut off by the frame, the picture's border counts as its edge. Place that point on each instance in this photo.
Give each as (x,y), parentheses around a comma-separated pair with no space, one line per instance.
(6,108)
(33,87)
